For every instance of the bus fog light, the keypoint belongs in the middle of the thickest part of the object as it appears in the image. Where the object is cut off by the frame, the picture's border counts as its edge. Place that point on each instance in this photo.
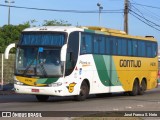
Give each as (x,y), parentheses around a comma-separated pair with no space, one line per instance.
(55,84)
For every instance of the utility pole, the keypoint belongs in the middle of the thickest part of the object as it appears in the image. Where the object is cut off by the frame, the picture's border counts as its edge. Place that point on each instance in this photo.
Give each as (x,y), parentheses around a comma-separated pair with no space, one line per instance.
(126,16)
(9,3)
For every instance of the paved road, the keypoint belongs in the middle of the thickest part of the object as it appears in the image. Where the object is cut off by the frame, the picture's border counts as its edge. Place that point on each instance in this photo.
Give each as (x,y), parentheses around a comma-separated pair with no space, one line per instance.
(150,101)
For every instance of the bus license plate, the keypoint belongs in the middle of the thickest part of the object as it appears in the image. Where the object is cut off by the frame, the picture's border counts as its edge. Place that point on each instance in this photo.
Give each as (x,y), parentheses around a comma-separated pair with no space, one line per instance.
(35,90)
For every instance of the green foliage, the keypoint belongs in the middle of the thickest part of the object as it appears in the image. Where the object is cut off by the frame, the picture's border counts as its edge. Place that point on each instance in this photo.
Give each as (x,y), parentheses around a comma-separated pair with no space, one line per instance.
(56,23)
(11,33)
(31,23)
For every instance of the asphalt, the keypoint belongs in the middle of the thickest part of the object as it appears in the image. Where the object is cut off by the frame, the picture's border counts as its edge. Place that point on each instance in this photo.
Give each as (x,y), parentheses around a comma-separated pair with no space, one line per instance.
(7,89)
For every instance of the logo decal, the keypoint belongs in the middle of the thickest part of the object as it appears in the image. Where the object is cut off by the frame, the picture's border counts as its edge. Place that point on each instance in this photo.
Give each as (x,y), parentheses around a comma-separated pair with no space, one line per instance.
(71,87)
(85,63)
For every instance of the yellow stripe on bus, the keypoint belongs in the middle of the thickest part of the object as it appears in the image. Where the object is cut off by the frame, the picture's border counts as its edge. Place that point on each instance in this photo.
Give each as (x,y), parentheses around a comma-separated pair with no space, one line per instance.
(29,81)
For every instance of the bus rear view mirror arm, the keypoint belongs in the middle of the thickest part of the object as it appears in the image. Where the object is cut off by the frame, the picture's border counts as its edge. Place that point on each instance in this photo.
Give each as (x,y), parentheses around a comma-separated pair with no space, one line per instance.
(63,52)
(7,50)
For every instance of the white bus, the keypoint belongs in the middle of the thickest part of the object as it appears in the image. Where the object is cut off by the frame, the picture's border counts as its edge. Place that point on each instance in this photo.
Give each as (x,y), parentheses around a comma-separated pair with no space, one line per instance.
(72,61)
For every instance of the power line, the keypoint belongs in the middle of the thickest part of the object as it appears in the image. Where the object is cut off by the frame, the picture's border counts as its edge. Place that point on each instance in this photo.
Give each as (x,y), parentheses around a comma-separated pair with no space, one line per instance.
(152,15)
(143,16)
(148,13)
(146,5)
(136,9)
(70,11)
(143,20)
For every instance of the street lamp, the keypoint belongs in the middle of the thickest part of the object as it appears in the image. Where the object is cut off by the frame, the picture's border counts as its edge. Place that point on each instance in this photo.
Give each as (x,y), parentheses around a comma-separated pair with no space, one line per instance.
(9,2)
(100,9)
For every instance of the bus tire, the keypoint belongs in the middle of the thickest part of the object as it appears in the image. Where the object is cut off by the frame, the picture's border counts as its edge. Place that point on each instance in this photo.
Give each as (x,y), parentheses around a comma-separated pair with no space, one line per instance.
(42,98)
(135,89)
(142,87)
(84,92)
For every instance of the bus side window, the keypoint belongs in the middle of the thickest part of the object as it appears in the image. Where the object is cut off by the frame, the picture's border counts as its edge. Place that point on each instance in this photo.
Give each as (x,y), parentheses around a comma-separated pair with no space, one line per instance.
(83,45)
(122,47)
(102,45)
(149,49)
(135,48)
(108,45)
(114,45)
(96,44)
(154,49)
(129,48)
(86,44)
(141,49)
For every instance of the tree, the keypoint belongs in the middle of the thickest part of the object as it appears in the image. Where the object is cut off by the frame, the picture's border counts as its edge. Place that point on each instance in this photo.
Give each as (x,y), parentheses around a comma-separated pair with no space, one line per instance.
(10,34)
(56,23)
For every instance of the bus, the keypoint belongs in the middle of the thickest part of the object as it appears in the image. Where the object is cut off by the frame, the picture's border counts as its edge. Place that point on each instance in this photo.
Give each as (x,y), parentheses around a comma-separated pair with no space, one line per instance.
(158,70)
(79,61)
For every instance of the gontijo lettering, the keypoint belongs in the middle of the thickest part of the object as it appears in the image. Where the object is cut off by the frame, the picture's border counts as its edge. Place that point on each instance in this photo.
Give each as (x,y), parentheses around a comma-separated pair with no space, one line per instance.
(130,63)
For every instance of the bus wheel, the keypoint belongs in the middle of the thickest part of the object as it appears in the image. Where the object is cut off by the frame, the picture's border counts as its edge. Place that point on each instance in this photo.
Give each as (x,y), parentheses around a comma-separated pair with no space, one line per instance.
(42,98)
(135,89)
(142,87)
(84,91)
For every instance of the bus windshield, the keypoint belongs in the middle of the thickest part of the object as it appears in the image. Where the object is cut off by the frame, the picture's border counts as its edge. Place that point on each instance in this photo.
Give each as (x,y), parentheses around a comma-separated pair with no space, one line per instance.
(39,55)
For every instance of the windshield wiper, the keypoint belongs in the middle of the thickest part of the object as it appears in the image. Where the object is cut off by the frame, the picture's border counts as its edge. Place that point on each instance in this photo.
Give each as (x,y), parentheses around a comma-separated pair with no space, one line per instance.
(42,69)
(28,66)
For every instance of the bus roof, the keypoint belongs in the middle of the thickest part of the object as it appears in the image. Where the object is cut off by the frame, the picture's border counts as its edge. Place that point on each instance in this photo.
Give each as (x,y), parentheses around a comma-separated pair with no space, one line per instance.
(53,28)
(117,33)
(93,29)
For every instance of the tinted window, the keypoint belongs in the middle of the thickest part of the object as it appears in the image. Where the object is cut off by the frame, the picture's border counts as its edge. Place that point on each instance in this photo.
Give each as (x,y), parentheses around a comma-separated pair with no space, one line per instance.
(141,48)
(154,49)
(122,47)
(149,49)
(130,48)
(134,48)
(72,52)
(43,39)
(96,44)
(102,45)
(86,43)
(108,45)
(114,46)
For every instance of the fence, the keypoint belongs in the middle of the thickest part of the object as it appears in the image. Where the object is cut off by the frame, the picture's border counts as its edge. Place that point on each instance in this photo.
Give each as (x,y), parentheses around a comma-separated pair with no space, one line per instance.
(7,69)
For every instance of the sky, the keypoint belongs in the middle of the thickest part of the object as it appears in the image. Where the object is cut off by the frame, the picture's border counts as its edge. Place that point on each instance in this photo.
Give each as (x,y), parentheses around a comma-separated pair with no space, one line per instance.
(108,20)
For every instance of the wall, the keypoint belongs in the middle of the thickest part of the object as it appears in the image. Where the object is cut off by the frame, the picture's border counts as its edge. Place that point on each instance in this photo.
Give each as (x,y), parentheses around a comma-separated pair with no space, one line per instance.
(8,66)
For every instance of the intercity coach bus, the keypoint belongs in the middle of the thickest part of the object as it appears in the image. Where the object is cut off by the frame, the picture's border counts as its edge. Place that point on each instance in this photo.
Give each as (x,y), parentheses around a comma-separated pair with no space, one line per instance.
(79,61)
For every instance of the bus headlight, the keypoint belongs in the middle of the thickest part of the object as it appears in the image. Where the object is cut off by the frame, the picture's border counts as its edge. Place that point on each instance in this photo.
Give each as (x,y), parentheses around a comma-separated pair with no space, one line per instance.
(17,82)
(55,84)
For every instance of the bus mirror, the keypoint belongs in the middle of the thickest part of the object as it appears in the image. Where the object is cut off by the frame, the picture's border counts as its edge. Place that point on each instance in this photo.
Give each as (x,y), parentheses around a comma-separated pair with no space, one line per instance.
(63,52)
(9,47)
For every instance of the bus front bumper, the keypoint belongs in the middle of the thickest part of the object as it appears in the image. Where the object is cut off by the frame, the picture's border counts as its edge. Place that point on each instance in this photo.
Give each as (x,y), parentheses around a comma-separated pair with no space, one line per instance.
(53,91)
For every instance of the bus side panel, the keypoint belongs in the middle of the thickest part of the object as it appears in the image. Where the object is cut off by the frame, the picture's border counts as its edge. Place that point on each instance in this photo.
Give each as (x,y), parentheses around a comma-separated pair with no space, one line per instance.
(105,75)
(153,74)
(95,69)
(131,68)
